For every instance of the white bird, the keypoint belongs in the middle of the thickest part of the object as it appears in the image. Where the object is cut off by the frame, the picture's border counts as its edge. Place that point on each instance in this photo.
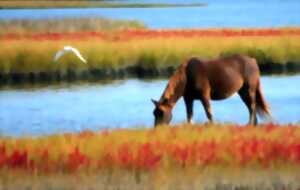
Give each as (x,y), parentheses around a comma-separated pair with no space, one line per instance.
(69,49)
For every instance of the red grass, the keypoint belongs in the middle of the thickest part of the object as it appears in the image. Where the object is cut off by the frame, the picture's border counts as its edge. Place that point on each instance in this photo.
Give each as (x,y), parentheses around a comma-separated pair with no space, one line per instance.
(140,34)
(238,146)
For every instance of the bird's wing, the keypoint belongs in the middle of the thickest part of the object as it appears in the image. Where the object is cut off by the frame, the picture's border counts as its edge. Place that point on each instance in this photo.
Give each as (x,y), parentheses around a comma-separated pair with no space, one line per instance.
(69,49)
(59,54)
(77,53)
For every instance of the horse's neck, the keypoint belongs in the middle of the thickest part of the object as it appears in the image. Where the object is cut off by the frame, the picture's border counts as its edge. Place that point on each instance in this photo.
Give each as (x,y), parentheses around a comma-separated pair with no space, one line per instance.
(175,88)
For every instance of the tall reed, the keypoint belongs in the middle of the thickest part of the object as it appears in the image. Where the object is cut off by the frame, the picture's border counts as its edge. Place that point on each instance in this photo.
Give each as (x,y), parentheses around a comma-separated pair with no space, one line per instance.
(66,25)
(115,55)
(203,157)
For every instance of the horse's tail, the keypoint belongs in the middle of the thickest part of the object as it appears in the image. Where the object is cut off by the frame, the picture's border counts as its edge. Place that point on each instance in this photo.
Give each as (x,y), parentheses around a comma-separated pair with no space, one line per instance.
(261,104)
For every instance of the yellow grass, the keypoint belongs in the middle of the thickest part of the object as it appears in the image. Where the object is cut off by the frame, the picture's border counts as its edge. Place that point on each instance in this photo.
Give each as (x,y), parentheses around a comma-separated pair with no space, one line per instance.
(25,56)
(278,146)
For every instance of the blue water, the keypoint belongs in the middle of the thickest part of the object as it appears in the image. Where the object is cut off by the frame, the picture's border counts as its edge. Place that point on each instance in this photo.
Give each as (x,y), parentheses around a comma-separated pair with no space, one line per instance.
(218,13)
(71,108)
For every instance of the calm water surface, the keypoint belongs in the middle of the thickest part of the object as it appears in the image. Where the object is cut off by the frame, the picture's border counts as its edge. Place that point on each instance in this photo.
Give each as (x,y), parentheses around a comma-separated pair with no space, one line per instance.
(62,108)
(218,13)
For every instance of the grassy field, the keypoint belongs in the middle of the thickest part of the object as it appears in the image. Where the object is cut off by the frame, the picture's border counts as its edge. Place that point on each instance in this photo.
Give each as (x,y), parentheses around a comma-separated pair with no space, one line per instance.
(67,25)
(28,57)
(44,4)
(178,157)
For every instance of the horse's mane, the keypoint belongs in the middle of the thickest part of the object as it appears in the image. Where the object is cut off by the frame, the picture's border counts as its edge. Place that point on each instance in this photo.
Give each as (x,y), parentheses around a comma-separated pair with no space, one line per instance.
(175,87)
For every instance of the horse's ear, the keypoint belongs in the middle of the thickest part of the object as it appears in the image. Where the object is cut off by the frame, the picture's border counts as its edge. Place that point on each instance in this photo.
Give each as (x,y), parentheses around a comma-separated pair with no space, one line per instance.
(154,102)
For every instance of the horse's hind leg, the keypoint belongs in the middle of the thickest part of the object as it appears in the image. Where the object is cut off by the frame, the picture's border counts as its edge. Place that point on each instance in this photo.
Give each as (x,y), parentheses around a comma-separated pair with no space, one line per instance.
(248,96)
(206,104)
(189,108)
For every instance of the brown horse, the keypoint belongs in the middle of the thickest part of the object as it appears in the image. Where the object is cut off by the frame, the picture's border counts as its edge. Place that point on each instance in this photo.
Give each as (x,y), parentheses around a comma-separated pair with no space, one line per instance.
(212,80)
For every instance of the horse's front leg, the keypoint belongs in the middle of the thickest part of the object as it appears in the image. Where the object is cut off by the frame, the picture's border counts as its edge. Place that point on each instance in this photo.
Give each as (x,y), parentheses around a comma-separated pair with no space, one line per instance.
(189,108)
(206,104)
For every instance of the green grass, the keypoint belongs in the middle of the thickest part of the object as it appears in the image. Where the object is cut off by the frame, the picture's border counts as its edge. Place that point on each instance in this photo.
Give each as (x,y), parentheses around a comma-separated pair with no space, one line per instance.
(41,4)
(67,25)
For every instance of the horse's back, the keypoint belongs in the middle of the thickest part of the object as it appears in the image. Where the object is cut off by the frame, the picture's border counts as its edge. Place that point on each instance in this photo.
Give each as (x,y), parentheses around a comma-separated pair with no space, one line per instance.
(223,76)
(249,69)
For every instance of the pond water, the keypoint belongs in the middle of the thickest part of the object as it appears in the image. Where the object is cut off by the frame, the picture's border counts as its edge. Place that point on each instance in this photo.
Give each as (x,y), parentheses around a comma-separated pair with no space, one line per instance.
(125,104)
(217,13)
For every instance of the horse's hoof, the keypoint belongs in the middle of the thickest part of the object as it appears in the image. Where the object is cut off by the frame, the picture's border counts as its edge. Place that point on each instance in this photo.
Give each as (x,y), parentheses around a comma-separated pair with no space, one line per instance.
(190,122)
(208,123)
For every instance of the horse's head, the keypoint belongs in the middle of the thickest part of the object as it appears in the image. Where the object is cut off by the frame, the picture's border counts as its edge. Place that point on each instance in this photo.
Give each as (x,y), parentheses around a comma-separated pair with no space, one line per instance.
(162,113)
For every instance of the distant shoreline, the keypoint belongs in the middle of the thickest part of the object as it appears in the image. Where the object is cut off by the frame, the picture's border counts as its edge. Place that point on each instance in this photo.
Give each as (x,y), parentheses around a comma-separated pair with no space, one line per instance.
(51,4)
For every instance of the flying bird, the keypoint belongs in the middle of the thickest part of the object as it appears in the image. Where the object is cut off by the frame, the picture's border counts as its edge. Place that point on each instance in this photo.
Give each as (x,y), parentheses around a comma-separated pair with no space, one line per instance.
(69,49)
